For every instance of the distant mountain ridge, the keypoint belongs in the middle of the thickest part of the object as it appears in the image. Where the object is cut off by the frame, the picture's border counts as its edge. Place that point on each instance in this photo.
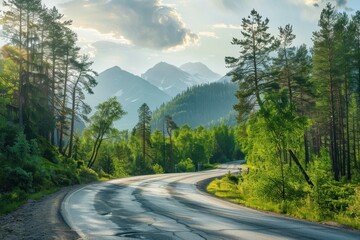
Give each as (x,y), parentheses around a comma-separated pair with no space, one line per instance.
(168,78)
(131,91)
(201,72)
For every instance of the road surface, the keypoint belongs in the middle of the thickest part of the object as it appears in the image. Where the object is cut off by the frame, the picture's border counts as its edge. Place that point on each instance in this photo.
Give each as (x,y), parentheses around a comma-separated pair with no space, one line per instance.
(169,206)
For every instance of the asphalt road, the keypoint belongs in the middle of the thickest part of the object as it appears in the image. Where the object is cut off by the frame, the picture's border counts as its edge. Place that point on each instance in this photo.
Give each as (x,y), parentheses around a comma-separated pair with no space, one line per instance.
(171,207)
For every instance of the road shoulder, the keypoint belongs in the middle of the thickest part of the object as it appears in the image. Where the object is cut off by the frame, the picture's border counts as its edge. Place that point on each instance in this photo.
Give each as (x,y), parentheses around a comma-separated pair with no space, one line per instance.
(40,219)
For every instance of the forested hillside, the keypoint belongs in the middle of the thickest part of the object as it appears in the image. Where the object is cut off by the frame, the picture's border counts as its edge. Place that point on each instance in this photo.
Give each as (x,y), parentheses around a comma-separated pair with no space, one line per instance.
(206,105)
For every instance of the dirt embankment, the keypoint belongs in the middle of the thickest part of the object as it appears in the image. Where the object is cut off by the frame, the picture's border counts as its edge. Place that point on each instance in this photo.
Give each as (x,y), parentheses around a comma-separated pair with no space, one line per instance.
(39,219)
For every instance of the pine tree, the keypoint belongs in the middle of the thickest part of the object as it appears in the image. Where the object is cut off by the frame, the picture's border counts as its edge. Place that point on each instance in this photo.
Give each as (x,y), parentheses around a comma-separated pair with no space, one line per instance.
(251,68)
(170,126)
(143,130)
(326,73)
(83,78)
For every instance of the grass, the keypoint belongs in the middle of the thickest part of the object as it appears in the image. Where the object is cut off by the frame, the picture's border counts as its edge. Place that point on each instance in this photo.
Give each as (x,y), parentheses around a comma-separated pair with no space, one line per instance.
(10,206)
(11,201)
(209,166)
(303,208)
(226,189)
(39,195)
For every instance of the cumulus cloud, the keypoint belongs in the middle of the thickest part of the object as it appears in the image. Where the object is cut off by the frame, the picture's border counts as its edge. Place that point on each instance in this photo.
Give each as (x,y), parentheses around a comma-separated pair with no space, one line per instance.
(145,23)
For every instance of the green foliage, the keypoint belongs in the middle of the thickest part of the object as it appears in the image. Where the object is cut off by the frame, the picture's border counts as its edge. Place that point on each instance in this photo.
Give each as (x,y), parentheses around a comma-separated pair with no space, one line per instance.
(158,169)
(104,176)
(17,177)
(10,201)
(64,177)
(199,105)
(186,165)
(101,125)
(225,189)
(21,148)
(87,175)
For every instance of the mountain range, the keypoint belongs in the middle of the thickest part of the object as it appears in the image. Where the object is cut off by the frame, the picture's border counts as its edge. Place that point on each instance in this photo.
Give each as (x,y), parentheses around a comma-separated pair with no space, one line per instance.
(131,91)
(156,87)
(200,72)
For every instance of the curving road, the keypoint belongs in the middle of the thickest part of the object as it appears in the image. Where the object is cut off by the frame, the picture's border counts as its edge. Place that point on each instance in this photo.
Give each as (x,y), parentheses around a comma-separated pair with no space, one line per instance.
(170,206)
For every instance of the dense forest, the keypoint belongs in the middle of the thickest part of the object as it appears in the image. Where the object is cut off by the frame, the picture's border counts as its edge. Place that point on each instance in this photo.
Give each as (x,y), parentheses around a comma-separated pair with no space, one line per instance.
(207,105)
(44,79)
(299,119)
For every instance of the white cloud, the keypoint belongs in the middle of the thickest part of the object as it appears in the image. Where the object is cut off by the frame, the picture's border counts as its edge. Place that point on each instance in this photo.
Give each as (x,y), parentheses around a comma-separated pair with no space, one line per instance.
(144,23)
(226,26)
(209,34)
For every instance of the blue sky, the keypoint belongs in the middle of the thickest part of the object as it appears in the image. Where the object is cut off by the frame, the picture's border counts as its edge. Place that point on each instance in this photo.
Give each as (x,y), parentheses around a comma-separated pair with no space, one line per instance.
(137,34)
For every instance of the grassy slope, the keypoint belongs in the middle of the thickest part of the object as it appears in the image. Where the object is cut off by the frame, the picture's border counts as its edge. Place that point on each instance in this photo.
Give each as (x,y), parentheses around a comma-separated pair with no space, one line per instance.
(227,188)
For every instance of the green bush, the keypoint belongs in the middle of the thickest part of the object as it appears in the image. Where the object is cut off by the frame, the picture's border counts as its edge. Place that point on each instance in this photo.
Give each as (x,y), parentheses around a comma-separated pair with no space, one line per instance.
(17,177)
(158,169)
(186,165)
(64,177)
(21,148)
(234,178)
(10,201)
(103,174)
(34,148)
(87,175)
(48,151)
(209,166)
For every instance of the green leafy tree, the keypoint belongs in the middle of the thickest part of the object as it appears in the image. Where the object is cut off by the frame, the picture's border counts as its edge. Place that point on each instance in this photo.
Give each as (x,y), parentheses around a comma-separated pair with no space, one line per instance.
(101,124)
(83,78)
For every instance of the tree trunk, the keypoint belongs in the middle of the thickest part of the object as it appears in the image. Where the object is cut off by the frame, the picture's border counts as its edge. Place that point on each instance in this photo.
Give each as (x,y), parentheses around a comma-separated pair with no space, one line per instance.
(306,176)
(63,117)
(20,99)
(72,123)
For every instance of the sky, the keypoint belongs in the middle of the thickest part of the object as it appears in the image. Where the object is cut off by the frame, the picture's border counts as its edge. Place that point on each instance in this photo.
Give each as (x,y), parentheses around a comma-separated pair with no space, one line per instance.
(137,34)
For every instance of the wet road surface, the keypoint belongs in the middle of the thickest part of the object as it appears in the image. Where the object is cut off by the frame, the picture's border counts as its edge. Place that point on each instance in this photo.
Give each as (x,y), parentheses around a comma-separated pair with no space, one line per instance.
(170,206)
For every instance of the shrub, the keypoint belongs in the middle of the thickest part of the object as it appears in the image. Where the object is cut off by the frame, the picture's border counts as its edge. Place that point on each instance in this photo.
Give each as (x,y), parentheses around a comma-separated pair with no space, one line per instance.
(34,147)
(17,177)
(64,177)
(12,200)
(234,178)
(186,165)
(87,175)
(21,148)
(158,169)
(103,174)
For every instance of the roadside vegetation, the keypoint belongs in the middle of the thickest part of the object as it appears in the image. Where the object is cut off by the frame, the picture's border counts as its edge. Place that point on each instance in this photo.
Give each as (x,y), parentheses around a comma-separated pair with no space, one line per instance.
(298,115)
(336,202)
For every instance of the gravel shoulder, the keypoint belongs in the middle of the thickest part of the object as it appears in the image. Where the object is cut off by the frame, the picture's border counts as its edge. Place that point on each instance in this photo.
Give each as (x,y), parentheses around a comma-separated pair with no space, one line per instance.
(40,219)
